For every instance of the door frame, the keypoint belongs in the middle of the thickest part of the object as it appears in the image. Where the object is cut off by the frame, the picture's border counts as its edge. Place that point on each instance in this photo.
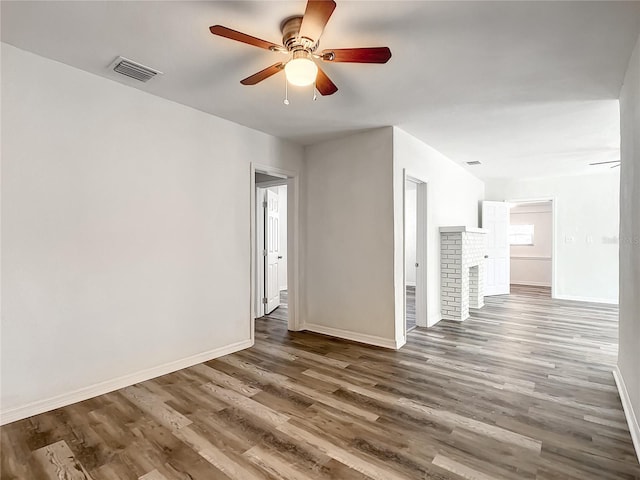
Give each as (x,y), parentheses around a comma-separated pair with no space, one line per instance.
(554,219)
(292,180)
(421,249)
(261,290)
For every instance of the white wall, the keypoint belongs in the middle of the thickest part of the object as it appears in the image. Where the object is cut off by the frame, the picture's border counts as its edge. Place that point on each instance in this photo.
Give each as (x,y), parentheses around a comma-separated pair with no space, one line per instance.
(125,231)
(354,234)
(348,259)
(282,263)
(586,233)
(411,231)
(453,197)
(531,264)
(628,356)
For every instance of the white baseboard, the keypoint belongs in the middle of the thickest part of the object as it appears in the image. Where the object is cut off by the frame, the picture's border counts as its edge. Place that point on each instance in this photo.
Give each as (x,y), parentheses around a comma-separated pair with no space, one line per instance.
(433,319)
(586,299)
(632,420)
(532,284)
(354,336)
(84,393)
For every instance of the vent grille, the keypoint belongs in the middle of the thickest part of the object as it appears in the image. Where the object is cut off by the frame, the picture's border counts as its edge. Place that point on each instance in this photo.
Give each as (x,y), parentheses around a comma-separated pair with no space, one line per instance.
(131,69)
(475,162)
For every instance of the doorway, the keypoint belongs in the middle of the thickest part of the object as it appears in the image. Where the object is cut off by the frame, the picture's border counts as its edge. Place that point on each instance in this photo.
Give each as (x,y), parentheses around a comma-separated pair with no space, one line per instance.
(415,249)
(521,246)
(531,247)
(274,246)
(271,243)
(410,247)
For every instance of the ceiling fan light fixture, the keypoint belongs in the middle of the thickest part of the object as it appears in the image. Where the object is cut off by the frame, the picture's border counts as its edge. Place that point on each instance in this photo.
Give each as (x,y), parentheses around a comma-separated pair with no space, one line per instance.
(300,37)
(301,70)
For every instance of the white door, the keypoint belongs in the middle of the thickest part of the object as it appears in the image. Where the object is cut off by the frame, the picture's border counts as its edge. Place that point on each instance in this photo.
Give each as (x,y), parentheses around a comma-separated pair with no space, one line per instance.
(495,218)
(272,247)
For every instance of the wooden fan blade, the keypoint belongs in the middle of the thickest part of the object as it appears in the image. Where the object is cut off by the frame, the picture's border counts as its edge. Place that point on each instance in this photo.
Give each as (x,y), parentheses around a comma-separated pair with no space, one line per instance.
(243,37)
(315,18)
(357,55)
(263,74)
(324,84)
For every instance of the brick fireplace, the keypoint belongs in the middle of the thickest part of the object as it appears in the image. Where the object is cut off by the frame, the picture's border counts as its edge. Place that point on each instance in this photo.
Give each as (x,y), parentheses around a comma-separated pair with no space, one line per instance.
(462,251)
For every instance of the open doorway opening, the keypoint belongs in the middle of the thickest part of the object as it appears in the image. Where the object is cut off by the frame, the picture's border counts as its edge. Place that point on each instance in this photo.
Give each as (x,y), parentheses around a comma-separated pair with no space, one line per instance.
(521,246)
(531,240)
(415,253)
(271,247)
(410,248)
(263,178)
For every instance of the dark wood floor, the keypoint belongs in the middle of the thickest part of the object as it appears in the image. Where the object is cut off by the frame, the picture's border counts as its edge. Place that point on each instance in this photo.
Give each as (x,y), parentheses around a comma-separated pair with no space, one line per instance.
(282,312)
(521,390)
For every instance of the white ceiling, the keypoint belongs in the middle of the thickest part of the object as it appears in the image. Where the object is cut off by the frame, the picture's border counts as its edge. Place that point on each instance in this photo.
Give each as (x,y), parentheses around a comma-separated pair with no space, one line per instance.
(527,88)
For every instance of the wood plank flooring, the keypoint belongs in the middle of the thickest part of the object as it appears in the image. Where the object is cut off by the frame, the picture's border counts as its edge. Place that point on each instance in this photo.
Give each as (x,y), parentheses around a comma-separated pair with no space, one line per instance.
(522,390)
(281,312)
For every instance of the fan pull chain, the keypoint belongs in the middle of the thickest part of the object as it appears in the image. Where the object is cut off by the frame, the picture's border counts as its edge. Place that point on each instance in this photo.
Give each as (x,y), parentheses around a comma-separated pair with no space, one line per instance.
(315,97)
(286,91)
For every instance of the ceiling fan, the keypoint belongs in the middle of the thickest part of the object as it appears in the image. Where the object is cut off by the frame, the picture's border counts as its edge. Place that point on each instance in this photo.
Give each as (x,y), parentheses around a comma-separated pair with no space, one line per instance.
(300,40)
(604,163)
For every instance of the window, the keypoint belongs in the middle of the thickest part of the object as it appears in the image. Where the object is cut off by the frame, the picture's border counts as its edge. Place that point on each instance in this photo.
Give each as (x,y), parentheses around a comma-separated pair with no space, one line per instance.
(521,234)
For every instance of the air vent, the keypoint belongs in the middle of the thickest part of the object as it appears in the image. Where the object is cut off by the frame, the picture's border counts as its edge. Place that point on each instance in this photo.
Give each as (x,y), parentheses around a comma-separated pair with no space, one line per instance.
(131,69)
(475,162)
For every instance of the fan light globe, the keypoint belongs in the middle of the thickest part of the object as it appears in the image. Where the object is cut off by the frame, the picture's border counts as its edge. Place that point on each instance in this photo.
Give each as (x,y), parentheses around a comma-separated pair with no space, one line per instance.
(301,71)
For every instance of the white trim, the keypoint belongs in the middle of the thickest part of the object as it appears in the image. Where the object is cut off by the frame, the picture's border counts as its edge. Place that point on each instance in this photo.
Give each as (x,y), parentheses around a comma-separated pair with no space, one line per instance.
(586,299)
(632,420)
(410,284)
(259,238)
(84,393)
(422,256)
(355,336)
(253,263)
(432,320)
(532,284)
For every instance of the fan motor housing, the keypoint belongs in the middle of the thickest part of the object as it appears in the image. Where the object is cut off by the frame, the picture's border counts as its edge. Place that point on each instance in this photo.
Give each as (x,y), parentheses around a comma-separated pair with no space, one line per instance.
(290,28)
